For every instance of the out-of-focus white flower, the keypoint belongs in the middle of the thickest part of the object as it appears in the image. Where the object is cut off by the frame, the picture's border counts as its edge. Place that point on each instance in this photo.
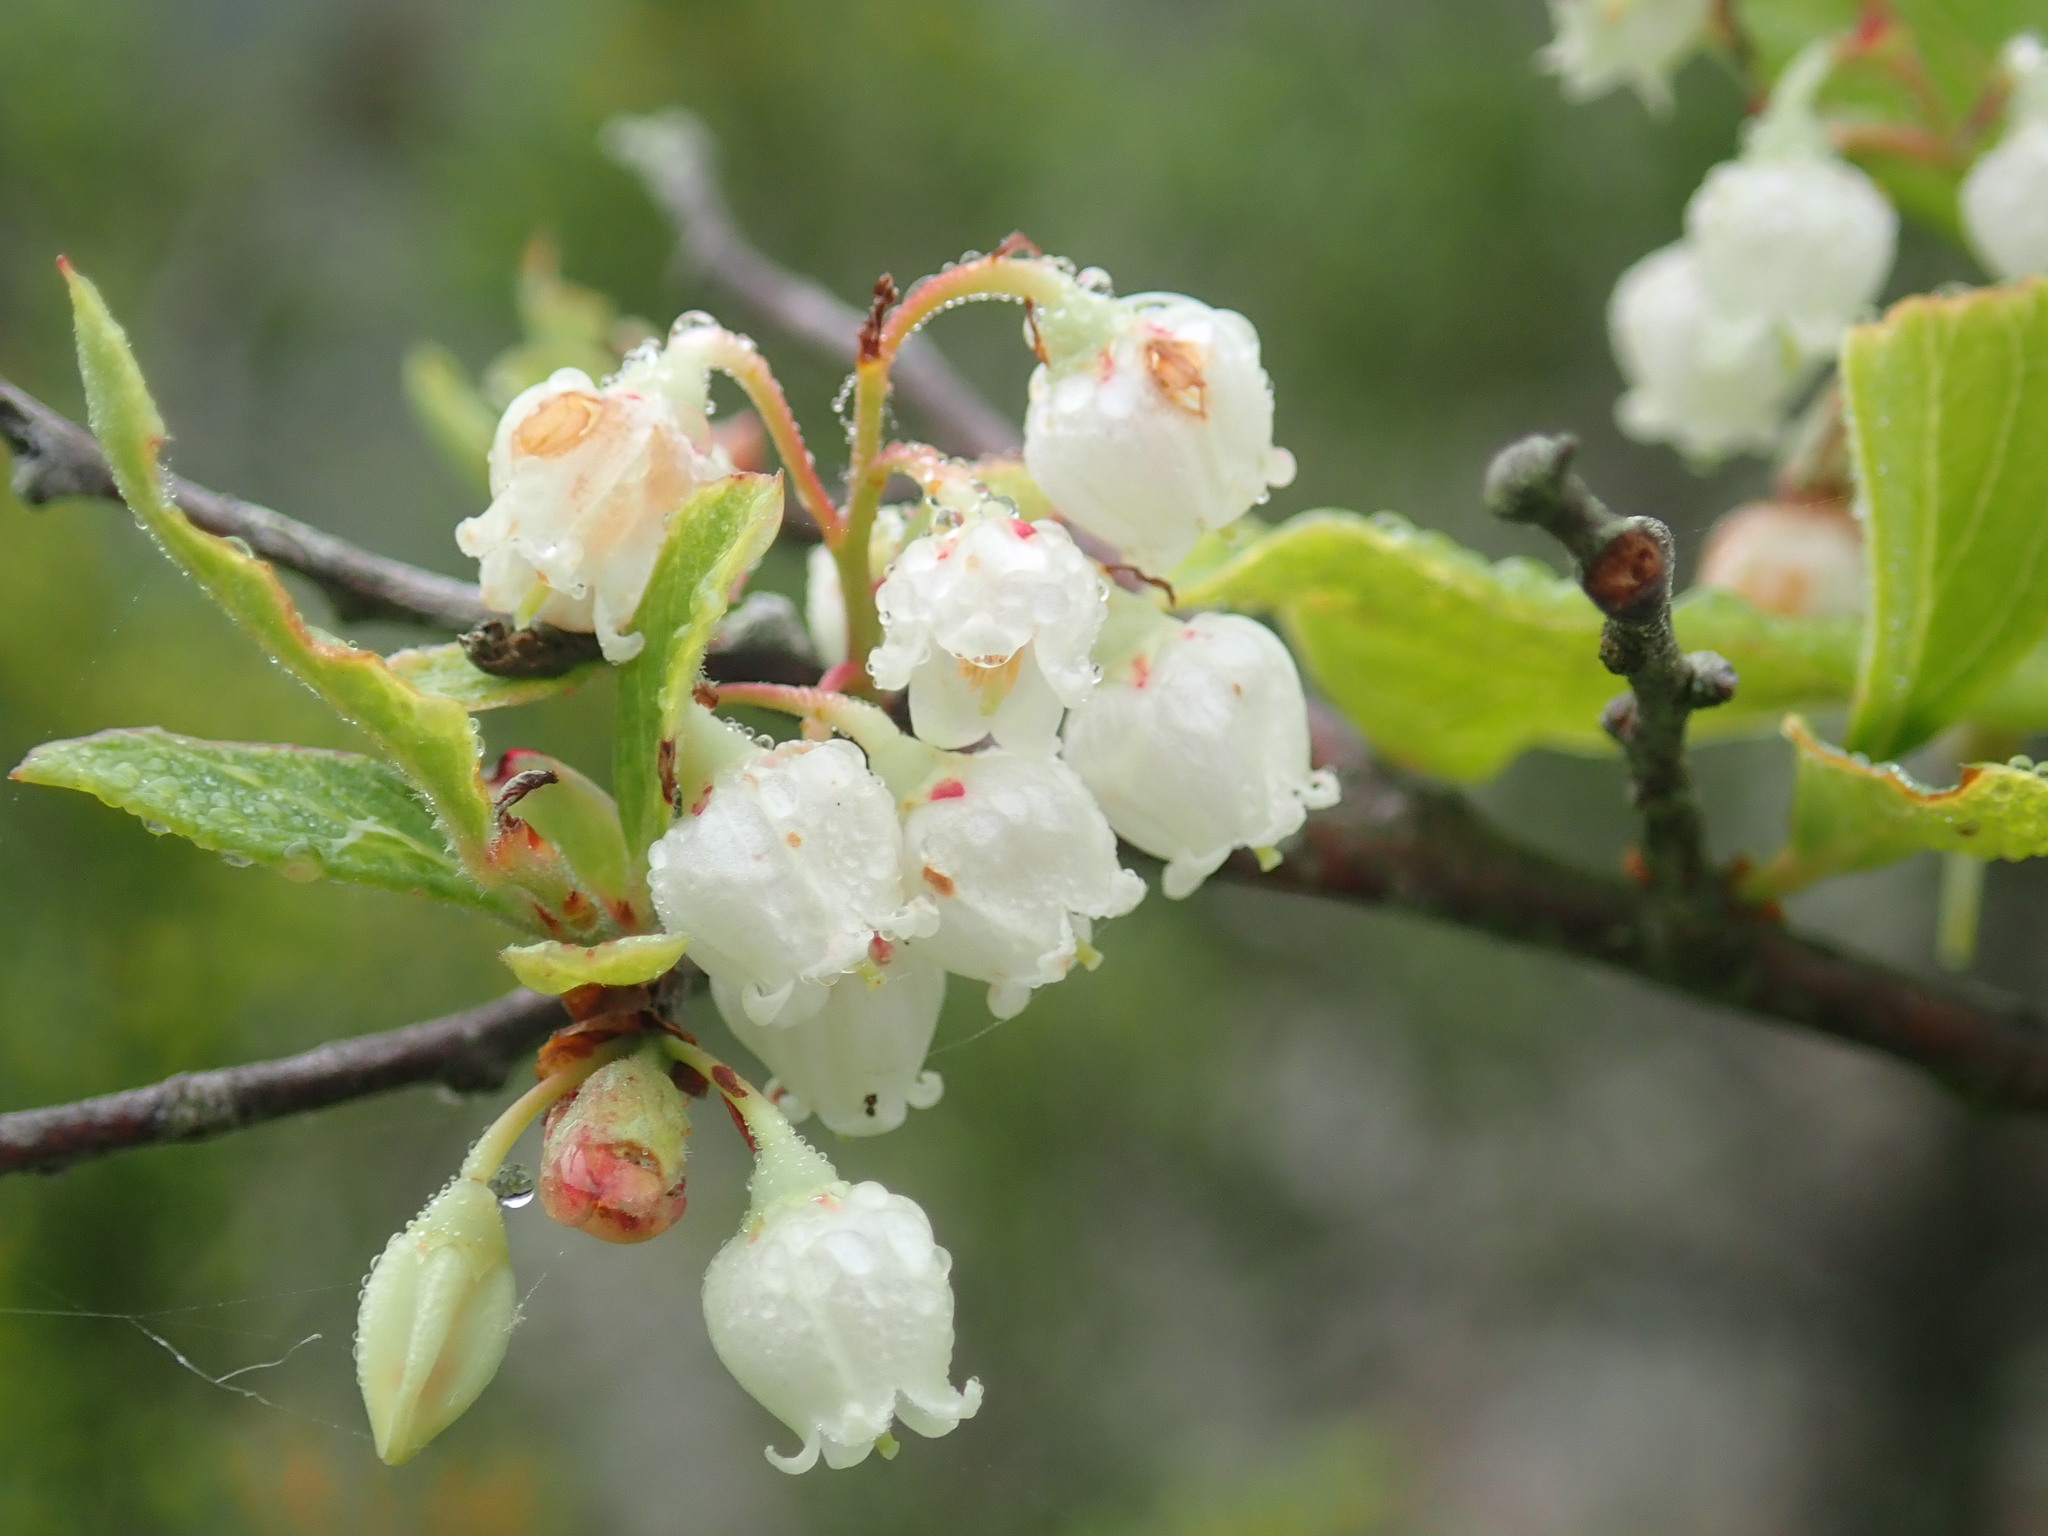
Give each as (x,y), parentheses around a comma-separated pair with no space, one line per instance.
(1019,859)
(784,872)
(2005,197)
(989,625)
(1638,43)
(584,478)
(437,1311)
(858,1062)
(612,1152)
(1197,743)
(1151,421)
(1790,233)
(833,1306)
(1709,385)
(1799,558)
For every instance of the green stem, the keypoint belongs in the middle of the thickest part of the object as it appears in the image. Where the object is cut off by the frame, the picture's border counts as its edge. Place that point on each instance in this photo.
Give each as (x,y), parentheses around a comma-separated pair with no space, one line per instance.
(902,762)
(492,1148)
(740,359)
(1962,905)
(786,1167)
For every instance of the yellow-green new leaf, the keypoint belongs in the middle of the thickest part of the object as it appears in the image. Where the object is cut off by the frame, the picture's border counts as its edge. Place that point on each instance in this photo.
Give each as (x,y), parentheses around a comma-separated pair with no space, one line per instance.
(1947,403)
(429,736)
(1455,665)
(557,968)
(712,542)
(1849,814)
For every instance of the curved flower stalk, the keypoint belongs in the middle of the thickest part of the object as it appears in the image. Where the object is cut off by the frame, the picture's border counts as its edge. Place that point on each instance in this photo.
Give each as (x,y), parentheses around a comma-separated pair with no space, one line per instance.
(989,624)
(1601,44)
(858,1063)
(784,873)
(1151,421)
(832,1305)
(2004,199)
(1196,742)
(583,480)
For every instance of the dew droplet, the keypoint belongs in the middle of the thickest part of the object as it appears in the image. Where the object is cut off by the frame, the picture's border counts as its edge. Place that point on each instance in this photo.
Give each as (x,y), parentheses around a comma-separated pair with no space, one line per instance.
(236,860)
(155,828)
(513,1185)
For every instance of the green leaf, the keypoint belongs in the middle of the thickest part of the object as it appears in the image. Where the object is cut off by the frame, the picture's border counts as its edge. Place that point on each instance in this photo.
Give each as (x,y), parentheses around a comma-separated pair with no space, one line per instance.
(1947,401)
(712,542)
(450,410)
(1849,813)
(1454,665)
(428,736)
(557,968)
(299,810)
(446,670)
(580,821)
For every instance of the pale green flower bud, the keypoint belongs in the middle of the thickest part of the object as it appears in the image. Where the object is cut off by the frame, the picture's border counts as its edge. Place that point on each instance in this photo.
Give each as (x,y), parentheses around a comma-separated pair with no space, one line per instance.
(437,1311)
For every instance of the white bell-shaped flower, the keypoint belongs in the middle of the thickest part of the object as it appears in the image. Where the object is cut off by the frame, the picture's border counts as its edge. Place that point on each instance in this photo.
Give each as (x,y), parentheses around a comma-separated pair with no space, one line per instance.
(989,624)
(833,1307)
(584,479)
(1197,743)
(1600,44)
(436,1314)
(1800,558)
(858,1062)
(1709,385)
(1151,422)
(2004,199)
(1019,859)
(784,872)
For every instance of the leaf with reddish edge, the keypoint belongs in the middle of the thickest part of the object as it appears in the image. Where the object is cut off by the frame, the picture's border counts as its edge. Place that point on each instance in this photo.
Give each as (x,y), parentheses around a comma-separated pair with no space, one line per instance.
(556,968)
(1849,814)
(713,541)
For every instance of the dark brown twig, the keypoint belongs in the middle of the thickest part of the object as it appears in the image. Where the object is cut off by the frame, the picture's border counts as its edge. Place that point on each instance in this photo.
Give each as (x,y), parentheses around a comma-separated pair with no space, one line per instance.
(672,152)
(469,1051)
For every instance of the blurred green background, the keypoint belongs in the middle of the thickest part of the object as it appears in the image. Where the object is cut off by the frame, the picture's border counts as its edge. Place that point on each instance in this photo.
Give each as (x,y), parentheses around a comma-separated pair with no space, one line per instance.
(1290,1220)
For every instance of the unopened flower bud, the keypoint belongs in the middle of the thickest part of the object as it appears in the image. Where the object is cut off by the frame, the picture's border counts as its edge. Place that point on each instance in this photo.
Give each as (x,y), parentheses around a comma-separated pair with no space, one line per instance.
(858,1063)
(437,1311)
(584,479)
(1197,743)
(1803,559)
(783,873)
(1638,43)
(1018,858)
(1707,384)
(833,1306)
(1151,421)
(612,1152)
(989,625)
(2004,199)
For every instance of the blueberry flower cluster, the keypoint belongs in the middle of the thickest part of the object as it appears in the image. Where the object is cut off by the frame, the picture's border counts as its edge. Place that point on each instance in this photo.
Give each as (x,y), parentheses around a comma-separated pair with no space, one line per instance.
(1008,693)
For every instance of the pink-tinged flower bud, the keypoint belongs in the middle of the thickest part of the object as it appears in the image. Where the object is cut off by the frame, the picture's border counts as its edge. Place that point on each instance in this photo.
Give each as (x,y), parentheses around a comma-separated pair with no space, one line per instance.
(437,1311)
(858,1063)
(834,1309)
(1801,558)
(1637,43)
(612,1152)
(2004,199)
(1197,743)
(1018,858)
(1151,421)
(989,625)
(783,874)
(584,478)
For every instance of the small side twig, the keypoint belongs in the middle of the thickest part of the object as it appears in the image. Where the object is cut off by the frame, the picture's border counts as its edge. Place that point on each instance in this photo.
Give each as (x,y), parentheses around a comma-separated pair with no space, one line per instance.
(471,1051)
(674,155)
(1624,565)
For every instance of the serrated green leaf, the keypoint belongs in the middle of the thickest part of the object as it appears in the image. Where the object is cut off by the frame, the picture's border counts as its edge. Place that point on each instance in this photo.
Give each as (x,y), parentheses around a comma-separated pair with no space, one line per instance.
(302,811)
(1947,402)
(449,409)
(1849,813)
(557,968)
(712,542)
(446,670)
(428,736)
(1455,665)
